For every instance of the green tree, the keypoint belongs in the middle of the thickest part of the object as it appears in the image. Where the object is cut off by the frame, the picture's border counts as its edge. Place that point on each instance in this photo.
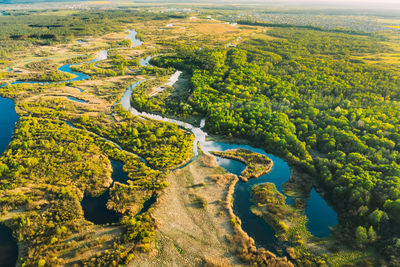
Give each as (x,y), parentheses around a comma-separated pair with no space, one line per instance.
(41,263)
(361,235)
(372,234)
(376,216)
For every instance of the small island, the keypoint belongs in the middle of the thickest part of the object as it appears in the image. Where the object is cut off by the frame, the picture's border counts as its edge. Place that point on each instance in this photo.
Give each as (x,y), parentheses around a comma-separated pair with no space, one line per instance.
(256,164)
(289,223)
(270,205)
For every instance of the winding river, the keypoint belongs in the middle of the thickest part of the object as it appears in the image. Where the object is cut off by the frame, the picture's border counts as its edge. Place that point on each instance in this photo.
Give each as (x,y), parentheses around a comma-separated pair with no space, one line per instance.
(256,227)
(320,215)
(95,207)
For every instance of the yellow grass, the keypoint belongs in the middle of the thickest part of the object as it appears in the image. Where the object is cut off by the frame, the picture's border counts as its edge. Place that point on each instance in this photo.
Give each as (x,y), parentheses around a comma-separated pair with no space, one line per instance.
(100,2)
(215,28)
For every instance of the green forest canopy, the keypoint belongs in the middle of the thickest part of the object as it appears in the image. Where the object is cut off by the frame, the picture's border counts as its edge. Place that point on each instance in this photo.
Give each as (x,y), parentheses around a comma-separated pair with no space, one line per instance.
(301,93)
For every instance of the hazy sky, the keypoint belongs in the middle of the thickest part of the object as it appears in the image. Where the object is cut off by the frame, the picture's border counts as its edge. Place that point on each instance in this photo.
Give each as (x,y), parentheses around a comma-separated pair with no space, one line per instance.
(360,4)
(344,3)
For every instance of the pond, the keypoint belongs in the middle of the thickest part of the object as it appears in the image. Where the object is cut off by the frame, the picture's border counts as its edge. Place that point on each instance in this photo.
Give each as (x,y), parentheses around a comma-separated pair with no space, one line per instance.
(8,118)
(8,247)
(95,208)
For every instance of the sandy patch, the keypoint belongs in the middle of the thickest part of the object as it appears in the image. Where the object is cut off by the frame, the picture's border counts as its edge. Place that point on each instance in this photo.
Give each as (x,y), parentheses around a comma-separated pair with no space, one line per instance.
(190,235)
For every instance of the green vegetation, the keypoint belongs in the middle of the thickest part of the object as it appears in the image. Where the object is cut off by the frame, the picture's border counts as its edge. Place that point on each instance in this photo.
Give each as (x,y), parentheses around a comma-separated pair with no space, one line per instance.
(24,30)
(303,93)
(170,100)
(298,93)
(256,164)
(38,148)
(54,76)
(49,165)
(45,171)
(288,221)
(163,145)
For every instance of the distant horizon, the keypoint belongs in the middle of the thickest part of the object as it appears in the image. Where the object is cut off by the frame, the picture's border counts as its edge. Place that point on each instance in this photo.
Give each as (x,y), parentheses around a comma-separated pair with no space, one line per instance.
(361,4)
(358,4)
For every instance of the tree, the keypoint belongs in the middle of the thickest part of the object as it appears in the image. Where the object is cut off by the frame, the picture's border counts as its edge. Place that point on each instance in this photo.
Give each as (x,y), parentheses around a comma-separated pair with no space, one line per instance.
(376,216)
(361,235)
(84,118)
(173,140)
(41,263)
(152,138)
(138,143)
(372,234)
(135,132)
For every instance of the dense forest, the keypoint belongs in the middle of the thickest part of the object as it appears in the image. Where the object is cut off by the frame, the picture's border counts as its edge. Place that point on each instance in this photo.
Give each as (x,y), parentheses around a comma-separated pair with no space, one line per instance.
(163,145)
(20,30)
(300,93)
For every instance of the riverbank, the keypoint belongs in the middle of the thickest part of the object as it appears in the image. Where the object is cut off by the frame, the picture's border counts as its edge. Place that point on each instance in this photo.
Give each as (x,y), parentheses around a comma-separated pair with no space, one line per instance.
(193,234)
(189,234)
(256,164)
(287,219)
(197,199)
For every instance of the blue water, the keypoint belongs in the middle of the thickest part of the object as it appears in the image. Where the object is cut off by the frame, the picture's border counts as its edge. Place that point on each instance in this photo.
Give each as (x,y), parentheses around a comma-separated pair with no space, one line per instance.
(320,215)
(8,248)
(77,99)
(254,226)
(95,208)
(64,68)
(79,75)
(118,174)
(8,118)
(148,203)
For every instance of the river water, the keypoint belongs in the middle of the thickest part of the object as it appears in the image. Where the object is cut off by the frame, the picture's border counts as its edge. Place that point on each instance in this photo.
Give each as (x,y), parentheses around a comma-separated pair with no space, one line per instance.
(256,227)
(8,118)
(95,207)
